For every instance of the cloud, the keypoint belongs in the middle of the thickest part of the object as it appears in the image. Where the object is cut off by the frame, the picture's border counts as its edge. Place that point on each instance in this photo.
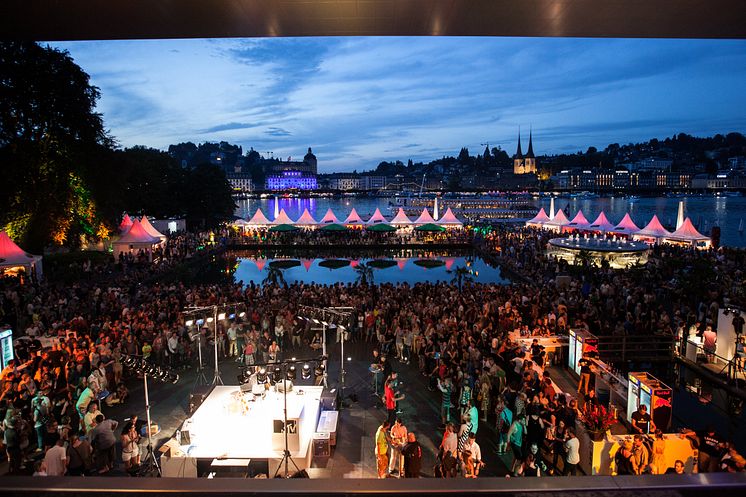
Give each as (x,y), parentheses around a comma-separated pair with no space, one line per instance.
(278,132)
(229,126)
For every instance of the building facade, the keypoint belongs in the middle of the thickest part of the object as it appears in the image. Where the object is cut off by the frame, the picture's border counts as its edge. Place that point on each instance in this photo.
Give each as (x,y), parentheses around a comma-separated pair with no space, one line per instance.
(291,180)
(525,164)
(240,182)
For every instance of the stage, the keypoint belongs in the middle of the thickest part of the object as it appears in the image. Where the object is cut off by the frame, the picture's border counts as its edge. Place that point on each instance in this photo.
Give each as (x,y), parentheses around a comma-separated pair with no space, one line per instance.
(229,425)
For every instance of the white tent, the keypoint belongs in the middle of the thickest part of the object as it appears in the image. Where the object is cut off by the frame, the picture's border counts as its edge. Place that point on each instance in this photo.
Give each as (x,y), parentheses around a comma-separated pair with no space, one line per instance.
(654,231)
(259,220)
(579,222)
(601,224)
(687,233)
(126,224)
(282,218)
(377,217)
(134,240)
(539,219)
(12,256)
(329,218)
(449,219)
(400,219)
(306,219)
(150,230)
(626,226)
(425,217)
(557,222)
(353,219)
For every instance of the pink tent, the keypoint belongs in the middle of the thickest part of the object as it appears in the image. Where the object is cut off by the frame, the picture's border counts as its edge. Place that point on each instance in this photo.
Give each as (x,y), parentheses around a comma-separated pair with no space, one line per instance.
(687,233)
(449,219)
(602,223)
(401,263)
(150,230)
(377,217)
(306,263)
(306,219)
(259,219)
(260,263)
(138,235)
(557,222)
(579,222)
(449,262)
(282,218)
(654,230)
(354,263)
(626,226)
(425,218)
(400,219)
(125,224)
(11,254)
(329,218)
(539,219)
(353,218)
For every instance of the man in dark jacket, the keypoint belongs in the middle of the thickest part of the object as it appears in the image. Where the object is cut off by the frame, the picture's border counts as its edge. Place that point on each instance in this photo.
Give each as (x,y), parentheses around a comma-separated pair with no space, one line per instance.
(412,453)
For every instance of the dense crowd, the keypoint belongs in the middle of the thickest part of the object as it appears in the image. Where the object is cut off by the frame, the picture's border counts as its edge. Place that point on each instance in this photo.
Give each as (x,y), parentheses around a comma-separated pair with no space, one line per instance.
(456,336)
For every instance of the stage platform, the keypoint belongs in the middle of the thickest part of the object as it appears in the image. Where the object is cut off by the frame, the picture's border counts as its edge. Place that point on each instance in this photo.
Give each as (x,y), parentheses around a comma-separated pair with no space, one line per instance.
(230,425)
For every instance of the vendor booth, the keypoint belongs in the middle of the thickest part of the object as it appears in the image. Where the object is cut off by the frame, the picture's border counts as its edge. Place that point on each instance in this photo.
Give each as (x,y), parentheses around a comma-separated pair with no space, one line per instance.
(645,389)
(14,259)
(581,342)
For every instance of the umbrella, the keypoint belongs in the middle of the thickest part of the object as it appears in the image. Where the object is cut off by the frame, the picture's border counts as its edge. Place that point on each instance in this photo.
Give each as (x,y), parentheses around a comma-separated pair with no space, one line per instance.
(333,227)
(381,228)
(430,228)
(382,263)
(334,263)
(429,263)
(284,263)
(283,228)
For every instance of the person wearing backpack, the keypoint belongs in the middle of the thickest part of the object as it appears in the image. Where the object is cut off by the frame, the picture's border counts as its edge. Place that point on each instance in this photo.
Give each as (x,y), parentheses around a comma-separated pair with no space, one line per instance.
(41,406)
(504,420)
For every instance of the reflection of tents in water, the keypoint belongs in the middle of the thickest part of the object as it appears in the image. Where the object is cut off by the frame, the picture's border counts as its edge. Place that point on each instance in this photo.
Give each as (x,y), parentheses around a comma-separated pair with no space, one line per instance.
(307,263)
(449,262)
(401,262)
(284,263)
(334,263)
(382,263)
(260,263)
(429,263)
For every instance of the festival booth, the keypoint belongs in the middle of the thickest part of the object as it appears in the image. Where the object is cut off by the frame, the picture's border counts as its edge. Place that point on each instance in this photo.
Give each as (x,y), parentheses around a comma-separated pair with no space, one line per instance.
(134,240)
(400,219)
(654,232)
(626,226)
(602,224)
(329,218)
(376,218)
(645,389)
(579,222)
(449,220)
(150,230)
(282,218)
(597,457)
(425,218)
(581,342)
(538,220)
(14,260)
(557,222)
(353,219)
(688,235)
(6,347)
(126,224)
(258,220)
(306,220)
(241,225)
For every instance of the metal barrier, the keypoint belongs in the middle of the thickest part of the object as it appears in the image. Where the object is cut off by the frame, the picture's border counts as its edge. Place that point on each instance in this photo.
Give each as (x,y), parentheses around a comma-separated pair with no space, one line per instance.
(648,348)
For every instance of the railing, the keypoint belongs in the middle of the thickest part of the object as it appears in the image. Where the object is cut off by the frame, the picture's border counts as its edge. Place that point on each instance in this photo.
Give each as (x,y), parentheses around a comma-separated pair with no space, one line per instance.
(647,348)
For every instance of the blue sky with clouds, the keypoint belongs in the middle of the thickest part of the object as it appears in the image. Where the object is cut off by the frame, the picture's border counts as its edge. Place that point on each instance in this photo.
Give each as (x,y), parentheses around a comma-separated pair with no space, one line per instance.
(358,101)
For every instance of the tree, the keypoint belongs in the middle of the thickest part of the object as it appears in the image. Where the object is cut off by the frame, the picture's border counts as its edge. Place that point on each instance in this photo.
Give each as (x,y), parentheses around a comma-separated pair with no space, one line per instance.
(364,274)
(275,275)
(209,199)
(48,134)
(460,275)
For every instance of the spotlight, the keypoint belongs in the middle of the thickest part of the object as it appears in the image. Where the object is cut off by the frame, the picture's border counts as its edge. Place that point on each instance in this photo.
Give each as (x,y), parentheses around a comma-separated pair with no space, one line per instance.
(200,322)
(231,316)
(172,377)
(277,374)
(291,373)
(261,376)
(319,371)
(349,359)
(244,378)
(210,320)
(221,316)
(242,314)
(305,373)
(190,322)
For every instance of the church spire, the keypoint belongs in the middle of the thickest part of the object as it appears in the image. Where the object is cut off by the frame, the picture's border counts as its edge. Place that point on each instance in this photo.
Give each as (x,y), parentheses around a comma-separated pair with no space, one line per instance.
(530,152)
(519,153)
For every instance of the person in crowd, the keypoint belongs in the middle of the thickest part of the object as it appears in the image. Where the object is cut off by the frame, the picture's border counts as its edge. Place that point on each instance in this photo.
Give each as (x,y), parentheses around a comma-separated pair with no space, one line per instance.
(641,421)
(55,460)
(504,420)
(640,455)
(79,456)
(104,443)
(398,440)
(658,457)
(412,453)
(623,459)
(390,399)
(710,448)
(516,437)
(572,453)
(383,441)
(130,447)
(677,469)
(474,455)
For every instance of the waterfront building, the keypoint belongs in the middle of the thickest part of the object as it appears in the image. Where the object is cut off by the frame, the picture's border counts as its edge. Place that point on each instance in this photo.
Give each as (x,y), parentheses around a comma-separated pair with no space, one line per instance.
(240,182)
(345,182)
(291,180)
(371,182)
(524,164)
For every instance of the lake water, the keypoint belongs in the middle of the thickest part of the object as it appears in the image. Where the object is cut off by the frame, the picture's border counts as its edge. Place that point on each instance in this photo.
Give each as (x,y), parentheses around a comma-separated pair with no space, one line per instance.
(705,211)
(410,267)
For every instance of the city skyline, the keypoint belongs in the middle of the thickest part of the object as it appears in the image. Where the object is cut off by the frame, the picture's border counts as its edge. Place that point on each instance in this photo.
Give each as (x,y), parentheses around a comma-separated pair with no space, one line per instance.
(359,101)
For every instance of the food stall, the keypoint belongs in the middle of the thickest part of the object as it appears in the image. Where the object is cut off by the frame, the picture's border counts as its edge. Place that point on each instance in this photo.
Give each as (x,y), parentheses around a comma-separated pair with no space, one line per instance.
(646,389)
(581,342)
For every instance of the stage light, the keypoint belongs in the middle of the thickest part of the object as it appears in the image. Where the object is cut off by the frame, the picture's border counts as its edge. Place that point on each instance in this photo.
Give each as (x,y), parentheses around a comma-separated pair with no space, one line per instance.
(261,376)
(319,371)
(231,316)
(221,316)
(244,378)
(349,359)
(173,377)
(200,322)
(306,372)
(190,322)
(210,320)
(242,314)
(291,373)
(277,374)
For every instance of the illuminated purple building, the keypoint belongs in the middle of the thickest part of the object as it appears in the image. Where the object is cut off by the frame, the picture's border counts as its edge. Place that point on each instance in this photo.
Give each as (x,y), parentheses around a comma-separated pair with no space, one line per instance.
(291,180)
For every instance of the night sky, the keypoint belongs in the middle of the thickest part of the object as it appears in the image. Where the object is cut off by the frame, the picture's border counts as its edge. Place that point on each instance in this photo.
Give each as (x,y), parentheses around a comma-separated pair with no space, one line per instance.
(358,101)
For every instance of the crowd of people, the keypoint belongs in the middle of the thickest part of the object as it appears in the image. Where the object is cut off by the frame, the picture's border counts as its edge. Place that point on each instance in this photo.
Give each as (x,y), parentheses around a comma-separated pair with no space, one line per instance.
(456,335)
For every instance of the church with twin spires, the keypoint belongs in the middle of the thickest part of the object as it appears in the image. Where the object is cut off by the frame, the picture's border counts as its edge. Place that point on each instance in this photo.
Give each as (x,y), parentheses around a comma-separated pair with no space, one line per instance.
(524,164)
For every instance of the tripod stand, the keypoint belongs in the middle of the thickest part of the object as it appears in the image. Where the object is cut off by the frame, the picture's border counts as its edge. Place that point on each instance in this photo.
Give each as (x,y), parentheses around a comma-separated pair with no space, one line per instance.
(149,464)
(201,379)
(286,457)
